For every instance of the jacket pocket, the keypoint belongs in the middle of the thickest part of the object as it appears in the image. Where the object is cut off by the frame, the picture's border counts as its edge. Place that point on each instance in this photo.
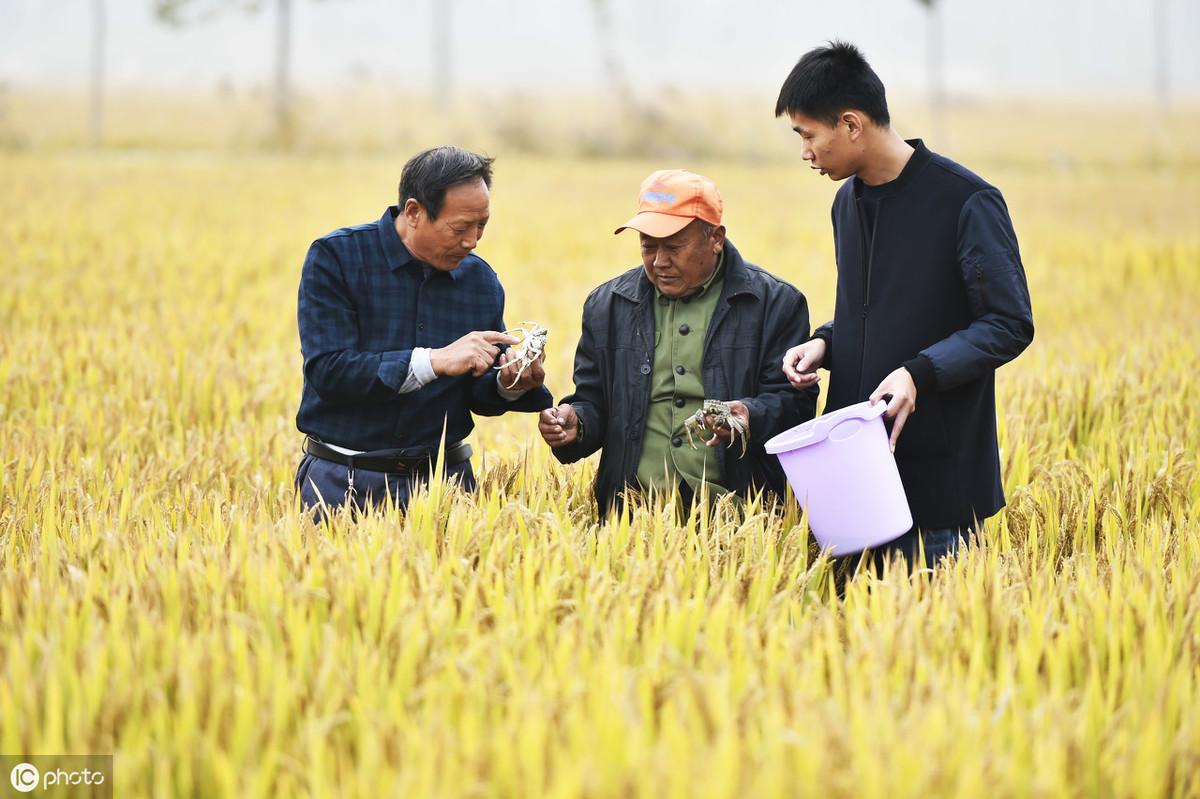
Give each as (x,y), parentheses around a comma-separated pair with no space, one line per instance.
(973,282)
(739,364)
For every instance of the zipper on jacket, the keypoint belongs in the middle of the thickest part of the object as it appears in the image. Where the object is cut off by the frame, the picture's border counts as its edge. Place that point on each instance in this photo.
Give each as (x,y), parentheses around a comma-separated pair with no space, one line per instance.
(867,244)
(634,458)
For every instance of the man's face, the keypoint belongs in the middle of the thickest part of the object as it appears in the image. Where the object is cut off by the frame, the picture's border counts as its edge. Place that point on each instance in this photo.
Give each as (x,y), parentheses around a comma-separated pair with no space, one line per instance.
(827,148)
(680,264)
(444,242)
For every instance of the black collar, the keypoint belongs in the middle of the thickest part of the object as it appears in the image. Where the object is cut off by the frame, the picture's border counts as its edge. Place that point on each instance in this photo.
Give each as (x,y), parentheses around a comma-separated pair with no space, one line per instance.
(917,161)
(397,254)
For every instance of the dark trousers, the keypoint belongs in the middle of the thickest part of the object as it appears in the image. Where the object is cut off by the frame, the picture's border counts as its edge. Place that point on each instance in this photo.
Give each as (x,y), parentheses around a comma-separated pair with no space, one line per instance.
(945,542)
(325,485)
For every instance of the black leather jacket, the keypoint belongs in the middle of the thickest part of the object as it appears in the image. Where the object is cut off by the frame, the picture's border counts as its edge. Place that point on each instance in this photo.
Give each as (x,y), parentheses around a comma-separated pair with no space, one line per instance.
(757,318)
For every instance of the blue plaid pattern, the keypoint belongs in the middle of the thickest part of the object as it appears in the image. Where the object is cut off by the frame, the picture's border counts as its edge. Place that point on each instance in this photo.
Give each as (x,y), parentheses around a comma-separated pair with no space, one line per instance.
(364,304)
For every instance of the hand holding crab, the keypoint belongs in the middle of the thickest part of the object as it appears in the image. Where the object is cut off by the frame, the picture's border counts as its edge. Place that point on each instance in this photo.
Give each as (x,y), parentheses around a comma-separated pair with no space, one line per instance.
(474,353)
(521,367)
(516,377)
(725,420)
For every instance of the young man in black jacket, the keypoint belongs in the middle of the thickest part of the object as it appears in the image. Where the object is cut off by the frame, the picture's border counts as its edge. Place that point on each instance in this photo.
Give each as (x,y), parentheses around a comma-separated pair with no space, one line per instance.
(931,296)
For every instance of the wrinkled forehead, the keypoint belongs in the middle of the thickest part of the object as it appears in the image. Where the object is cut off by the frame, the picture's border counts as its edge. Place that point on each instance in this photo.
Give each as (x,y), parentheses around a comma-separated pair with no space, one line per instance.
(467,200)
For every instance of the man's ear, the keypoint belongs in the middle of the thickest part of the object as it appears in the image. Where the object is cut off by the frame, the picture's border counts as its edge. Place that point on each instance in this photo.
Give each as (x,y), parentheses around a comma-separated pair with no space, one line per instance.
(412,211)
(718,238)
(854,122)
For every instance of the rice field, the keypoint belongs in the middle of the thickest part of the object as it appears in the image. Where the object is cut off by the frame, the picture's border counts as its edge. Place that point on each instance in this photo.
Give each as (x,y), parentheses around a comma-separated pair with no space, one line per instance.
(163,599)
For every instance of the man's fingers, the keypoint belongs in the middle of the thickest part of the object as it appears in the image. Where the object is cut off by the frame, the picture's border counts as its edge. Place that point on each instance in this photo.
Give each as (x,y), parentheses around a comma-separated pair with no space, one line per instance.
(898,425)
(894,403)
(536,372)
(494,337)
(551,428)
(566,425)
(720,432)
(795,364)
(789,365)
(799,368)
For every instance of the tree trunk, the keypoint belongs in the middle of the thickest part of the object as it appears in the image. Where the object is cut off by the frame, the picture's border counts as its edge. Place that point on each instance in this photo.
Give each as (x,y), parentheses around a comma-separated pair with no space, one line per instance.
(606,42)
(1162,56)
(97,94)
(937,92)
(283,47)
(442,12)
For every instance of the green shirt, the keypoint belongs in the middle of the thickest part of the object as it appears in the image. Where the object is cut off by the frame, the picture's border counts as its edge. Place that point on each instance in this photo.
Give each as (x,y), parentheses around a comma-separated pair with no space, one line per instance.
(677,391)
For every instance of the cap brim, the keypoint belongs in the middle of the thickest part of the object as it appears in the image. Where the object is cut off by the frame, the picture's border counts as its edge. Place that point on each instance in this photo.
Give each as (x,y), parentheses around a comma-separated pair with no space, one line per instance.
(657,225)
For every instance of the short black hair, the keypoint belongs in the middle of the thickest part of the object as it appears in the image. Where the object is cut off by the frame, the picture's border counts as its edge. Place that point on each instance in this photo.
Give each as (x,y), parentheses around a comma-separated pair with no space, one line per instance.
(829,80)
(429,174)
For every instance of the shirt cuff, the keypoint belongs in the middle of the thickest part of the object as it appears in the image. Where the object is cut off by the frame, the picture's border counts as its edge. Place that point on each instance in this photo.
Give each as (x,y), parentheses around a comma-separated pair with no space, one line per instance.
(923,374)
(420,371)
(825,335)
(509,395)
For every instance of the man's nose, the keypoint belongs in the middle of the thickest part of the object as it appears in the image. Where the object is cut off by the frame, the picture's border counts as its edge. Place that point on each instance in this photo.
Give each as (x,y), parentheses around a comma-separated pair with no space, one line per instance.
(470,240)
(660,258)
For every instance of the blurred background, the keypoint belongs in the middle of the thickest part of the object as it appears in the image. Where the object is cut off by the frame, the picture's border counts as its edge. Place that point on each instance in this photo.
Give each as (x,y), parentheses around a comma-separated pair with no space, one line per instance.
(164,167)
(591,78)
(165,164)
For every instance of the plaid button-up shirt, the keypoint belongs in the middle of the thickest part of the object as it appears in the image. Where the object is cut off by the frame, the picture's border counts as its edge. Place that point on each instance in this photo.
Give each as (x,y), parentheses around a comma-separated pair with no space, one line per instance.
(365,302)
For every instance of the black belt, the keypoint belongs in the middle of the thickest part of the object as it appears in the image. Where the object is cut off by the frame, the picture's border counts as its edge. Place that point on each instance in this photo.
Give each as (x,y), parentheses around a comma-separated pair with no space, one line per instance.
(391,461)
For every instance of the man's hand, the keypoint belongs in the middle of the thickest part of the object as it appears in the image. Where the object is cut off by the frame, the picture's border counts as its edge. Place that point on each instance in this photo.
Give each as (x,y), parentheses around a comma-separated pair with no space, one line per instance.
(801,361)
(723,433)
(559,426)
(474,353)
(902,399)
(534,375)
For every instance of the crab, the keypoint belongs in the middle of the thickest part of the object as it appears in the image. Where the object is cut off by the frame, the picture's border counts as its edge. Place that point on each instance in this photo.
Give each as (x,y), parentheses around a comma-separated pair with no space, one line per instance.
(714,414)
(530,348)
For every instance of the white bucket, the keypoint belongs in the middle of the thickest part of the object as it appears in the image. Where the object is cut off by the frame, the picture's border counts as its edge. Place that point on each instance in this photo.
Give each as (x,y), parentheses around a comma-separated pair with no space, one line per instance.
(841,468)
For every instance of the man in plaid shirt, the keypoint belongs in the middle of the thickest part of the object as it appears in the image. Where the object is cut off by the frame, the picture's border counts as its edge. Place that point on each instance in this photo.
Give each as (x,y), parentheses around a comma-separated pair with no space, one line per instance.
(400,327)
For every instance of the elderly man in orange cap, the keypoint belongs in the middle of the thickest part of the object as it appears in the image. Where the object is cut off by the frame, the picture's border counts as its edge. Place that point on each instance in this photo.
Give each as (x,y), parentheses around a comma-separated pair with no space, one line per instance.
(694,322)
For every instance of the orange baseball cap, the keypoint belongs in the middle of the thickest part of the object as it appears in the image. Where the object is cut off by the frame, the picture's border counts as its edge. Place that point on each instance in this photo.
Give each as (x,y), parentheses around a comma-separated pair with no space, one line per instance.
(670,199)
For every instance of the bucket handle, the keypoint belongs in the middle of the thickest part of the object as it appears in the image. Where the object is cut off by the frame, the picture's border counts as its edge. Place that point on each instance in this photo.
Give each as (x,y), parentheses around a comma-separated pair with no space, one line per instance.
(825,424)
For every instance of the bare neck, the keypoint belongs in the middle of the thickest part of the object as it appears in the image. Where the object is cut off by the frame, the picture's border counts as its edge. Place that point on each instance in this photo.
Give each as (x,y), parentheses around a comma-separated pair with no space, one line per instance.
(885,158)
(406,238)
(402,231)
